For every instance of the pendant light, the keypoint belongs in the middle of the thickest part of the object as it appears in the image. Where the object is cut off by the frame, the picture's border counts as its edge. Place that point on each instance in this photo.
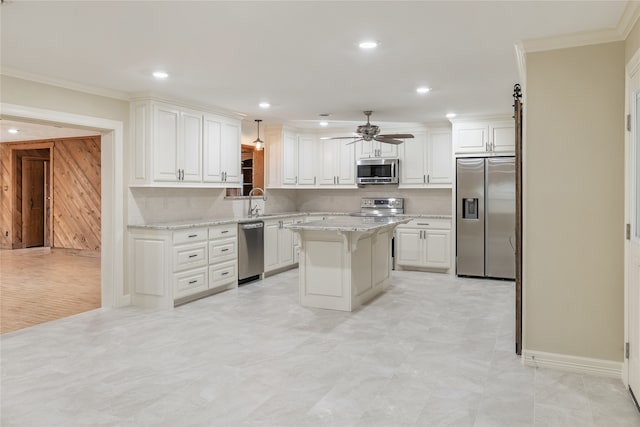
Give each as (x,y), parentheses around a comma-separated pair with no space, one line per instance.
(259,143)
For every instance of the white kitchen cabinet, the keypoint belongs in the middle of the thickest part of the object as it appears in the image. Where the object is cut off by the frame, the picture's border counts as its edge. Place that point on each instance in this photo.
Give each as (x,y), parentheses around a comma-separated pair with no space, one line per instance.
(484,137)
(278,244)
(426,160)
(221,147)
(369,149)
(223,256)
(176,146)
(337,163)
(307,161)
(171,267)
(424,243)
(281,157)
(177,136)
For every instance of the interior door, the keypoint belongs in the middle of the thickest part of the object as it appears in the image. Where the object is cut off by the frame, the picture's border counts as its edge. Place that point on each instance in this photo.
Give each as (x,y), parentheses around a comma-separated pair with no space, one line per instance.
(33,204)
(633,244)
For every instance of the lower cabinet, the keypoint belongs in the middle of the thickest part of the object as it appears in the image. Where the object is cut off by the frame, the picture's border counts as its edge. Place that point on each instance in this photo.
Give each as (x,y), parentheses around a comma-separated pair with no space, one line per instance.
(170,267)
(424,243)
(279,244)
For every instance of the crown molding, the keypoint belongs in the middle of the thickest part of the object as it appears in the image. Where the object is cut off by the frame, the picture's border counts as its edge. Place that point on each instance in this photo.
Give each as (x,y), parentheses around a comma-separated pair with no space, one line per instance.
(584,38)
(66,84)
(628,19)
(181,102)
(626,23)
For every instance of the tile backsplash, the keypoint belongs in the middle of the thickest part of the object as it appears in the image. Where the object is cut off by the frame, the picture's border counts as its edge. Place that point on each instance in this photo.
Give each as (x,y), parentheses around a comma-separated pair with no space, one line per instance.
(160,205)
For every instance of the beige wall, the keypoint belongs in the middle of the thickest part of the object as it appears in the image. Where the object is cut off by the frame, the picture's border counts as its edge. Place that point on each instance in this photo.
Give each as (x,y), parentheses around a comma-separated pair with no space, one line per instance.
(574,201)
(38,95)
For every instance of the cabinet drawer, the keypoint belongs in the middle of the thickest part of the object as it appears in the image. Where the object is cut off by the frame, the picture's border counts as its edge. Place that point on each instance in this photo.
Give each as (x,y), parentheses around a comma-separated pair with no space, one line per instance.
(223,231)
(188,236)
(189,282)
(223,274)
(222,250)
(189,256)
(428,223)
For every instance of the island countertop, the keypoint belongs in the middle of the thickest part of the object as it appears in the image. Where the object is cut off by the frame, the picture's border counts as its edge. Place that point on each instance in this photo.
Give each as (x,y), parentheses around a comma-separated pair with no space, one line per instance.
(349,223)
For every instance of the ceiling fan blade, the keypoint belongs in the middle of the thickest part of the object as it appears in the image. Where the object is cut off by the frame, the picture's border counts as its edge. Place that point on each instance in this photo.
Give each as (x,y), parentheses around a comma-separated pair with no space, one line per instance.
(396,135)
(343,137)
(388,140)
(354,141)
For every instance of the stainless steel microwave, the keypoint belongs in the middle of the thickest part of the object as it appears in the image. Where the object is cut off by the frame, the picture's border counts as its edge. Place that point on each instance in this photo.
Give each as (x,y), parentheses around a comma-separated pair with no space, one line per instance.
(377,171)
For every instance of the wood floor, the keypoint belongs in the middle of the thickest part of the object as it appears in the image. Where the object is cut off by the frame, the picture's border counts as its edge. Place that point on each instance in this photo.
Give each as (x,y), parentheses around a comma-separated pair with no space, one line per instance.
(39,285)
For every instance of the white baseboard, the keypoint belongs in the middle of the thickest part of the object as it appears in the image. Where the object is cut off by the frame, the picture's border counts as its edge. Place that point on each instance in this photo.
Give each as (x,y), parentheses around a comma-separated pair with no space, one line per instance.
(564,362)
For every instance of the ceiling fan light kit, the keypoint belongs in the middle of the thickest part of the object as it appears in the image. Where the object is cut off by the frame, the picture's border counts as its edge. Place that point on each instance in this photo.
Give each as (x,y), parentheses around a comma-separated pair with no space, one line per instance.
(369,132)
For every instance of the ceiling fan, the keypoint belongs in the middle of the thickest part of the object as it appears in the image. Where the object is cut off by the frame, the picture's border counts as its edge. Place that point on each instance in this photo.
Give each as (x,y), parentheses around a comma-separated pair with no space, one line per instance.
(368,132)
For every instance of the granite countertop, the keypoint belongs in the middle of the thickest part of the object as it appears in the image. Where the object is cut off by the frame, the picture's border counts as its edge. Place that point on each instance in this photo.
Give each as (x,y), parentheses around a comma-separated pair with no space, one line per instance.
(349,223)
(195,223)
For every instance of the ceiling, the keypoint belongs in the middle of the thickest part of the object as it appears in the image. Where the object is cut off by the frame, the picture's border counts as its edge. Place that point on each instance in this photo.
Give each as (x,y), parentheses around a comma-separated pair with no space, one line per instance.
(302,57)
(28,131)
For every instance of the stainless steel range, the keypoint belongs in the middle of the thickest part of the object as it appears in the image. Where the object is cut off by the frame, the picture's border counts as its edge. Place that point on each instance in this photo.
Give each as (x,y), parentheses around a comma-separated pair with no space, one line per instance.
(374,206)
(379,207)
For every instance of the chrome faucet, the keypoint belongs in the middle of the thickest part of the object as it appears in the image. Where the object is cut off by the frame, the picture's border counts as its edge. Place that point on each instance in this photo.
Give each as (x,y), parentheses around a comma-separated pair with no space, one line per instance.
(255,209)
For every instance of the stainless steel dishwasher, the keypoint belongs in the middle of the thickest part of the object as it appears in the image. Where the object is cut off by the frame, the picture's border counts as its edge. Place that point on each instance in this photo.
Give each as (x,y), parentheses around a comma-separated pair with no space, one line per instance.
(250,251)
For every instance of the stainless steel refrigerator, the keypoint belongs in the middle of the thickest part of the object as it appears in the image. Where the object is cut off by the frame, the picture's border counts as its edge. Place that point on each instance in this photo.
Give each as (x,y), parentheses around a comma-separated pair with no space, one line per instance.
(486,217)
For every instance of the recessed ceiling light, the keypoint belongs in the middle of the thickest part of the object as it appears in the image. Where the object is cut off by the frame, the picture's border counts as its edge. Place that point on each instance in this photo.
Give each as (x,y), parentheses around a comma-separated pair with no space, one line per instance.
(423,89)
(324,124)
(160,74)
(12,130)
(264,105)
(369,44)
(451,115)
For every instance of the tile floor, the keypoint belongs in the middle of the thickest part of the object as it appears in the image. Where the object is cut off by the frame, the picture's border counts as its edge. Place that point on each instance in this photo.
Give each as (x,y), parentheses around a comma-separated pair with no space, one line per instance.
(432,351)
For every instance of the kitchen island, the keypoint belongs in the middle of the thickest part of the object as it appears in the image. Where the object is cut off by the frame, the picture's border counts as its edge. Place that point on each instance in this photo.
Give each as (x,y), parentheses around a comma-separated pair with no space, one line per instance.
(346,261)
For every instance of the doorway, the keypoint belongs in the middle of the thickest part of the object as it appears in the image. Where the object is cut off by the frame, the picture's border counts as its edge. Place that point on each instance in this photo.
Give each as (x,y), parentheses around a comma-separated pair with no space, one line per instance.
(35,202)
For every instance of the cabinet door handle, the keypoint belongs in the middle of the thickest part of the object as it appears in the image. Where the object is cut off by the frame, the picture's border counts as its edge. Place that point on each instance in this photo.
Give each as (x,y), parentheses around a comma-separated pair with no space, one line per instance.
(224,250)
(428,179)
(423,223)
(193,255)
(178,174)
(183,174)
(424,179)
(225,273)
(314,180)
(191,282)
(296,179)
(191,236)
(338,179)
(224,231)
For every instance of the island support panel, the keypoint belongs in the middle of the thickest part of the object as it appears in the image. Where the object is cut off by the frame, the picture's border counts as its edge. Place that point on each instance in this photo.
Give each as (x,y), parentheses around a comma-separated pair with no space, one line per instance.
(342,270)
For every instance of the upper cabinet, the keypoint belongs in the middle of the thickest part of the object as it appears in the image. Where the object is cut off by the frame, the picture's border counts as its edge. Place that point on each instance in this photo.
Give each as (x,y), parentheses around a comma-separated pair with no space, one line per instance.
(176,146)
(305,161)
(426,160)
(337,163)
(486,137)
(221,150)
(373,149)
